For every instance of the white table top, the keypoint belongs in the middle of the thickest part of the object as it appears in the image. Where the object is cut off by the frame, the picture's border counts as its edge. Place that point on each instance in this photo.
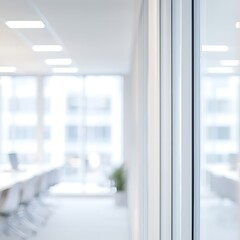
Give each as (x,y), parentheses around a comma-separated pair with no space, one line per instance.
(8,177)
(224,171)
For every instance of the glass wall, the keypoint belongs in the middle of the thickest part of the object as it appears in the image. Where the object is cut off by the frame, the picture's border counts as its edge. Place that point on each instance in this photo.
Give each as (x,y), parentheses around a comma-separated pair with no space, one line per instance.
(220,119)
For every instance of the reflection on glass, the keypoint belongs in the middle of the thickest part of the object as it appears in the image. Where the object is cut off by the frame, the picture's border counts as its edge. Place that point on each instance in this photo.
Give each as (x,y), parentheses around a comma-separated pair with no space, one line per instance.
(220,120)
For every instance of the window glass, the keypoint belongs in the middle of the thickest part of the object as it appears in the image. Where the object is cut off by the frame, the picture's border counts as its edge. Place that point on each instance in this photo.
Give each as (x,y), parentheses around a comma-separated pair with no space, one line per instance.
(220,119)
(218,133)
(72,133)
(61,127)
(74,103)
(99,134)
(84,125)
(218,106)
(98,105)
(19,118)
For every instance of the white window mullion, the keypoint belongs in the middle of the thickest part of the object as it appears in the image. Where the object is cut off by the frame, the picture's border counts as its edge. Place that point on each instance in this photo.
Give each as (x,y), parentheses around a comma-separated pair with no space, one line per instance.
(40,119)
(166,120)
(182,119)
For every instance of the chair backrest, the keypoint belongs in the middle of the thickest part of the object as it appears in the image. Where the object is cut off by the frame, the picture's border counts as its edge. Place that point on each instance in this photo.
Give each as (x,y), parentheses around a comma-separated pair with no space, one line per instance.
(55,176)
(28,190)
(10,199)
(1,199)
(42,184)
(13,159)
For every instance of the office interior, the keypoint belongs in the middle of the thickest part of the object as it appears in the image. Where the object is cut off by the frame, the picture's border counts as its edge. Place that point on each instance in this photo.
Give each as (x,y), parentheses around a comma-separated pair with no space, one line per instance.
(119,119)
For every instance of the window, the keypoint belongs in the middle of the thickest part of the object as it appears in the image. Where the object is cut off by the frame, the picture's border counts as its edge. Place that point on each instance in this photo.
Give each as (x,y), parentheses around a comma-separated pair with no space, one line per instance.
(19,117)
(22,132)
(74,103)
(22,105)
(26,158)
(80,128)
(47,106)
(98,134)
(218,106)
(47,132)
(98,104)
(215,158)
(218,133)
(72,133)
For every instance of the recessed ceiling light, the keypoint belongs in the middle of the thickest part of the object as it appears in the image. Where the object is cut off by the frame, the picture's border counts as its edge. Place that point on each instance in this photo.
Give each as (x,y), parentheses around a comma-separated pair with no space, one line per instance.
(220,70)
(215,48)
(25,24)
(230,63)
(7,69)
(65,70)
(59,61)
(47,48)
(237,25)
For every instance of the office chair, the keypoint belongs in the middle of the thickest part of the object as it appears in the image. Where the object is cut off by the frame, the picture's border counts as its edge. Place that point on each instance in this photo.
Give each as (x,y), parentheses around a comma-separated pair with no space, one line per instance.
(2,220)
(10,200)
(27,197)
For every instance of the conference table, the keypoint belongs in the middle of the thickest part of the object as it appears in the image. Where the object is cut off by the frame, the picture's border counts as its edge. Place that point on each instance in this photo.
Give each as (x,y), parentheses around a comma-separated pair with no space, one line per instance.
(224,181)
(9,177)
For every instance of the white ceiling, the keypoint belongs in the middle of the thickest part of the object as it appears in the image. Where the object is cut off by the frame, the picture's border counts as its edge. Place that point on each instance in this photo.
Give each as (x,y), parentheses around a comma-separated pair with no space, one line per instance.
(218,19)
(96,34)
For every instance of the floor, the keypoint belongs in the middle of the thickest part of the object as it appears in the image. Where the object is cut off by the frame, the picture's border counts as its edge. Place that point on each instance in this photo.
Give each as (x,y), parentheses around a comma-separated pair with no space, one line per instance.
(85,218)
(219,219)
(75,188)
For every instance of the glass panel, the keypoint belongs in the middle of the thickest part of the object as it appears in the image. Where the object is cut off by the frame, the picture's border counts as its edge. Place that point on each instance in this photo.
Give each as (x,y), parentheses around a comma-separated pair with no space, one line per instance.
(19,118)
(220,119)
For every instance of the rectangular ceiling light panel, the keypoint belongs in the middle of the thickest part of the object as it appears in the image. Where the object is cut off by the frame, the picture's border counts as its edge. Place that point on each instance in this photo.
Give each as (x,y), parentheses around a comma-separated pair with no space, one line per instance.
(25,24)
(59,61)
(220,70)
(215,48)
(230,63)
(65,70)
(7,69)
(47,48)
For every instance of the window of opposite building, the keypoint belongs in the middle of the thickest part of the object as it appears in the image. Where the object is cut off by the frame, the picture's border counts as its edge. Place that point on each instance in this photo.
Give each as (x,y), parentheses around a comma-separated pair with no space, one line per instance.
(22,132)
(72,133)
(74,103)
(99,104)
(27,133)
(98,133)
(219,133)
(218,106)
(22,105)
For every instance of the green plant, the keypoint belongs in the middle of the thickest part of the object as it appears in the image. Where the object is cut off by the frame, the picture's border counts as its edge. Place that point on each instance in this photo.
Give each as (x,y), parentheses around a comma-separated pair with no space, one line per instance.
(119,178)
